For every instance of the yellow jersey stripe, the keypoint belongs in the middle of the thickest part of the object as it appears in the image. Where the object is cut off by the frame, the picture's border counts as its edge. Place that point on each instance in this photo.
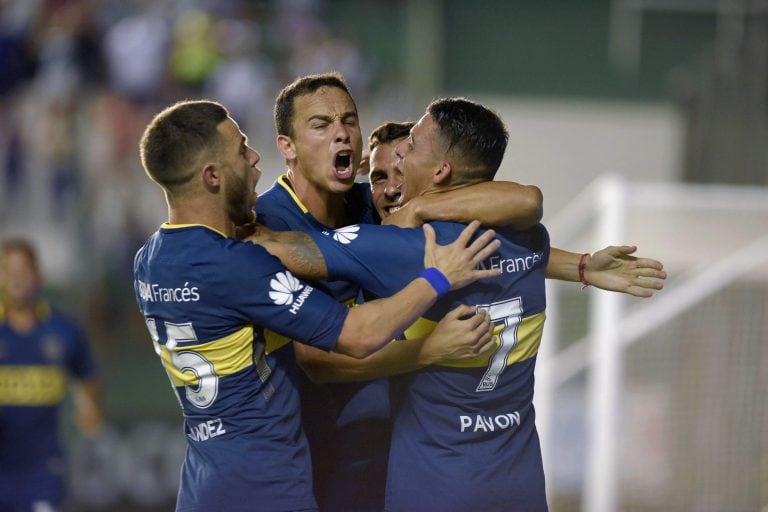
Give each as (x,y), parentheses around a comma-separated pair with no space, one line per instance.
(529,333)
(275,341)
(227,355)
(32,385)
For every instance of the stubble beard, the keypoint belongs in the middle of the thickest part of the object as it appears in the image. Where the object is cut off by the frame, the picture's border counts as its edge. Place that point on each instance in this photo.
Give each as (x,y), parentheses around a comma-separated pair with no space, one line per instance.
(239,204)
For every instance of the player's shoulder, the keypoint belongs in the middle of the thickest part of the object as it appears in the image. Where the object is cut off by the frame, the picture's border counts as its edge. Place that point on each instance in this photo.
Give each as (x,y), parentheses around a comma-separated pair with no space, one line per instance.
(202,247)
(447,231)
(60,319)
(277,196)
(271,195)
(360,204)
(279,208)
(536,236)
(376,233)
(240,255)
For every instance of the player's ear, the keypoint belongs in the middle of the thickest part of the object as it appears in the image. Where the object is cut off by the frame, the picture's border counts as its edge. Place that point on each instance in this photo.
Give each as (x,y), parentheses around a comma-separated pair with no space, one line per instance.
(442,173)
(211,175)
(286,147)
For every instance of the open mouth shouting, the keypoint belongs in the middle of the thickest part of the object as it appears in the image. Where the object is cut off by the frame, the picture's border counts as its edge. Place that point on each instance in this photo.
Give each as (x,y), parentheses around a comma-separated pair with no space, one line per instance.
(389,209)
(342,165)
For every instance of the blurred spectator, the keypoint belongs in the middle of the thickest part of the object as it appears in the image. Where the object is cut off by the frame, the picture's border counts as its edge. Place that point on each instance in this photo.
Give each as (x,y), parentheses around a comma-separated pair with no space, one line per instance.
(136,48)
(244,79)
(69,53)
(193,54)
(17,57)
(319,50)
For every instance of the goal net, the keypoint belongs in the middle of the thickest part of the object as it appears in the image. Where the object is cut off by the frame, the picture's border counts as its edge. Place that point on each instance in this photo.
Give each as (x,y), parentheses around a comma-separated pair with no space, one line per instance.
(662,403)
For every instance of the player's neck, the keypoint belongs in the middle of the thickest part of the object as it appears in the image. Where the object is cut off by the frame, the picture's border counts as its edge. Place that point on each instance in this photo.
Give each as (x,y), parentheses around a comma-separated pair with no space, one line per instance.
(21,317)
(202,212)
(327,207)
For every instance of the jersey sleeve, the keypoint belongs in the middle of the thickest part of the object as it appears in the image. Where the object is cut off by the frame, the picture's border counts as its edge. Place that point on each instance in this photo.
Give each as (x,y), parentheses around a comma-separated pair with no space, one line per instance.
(381,259)
(269,295)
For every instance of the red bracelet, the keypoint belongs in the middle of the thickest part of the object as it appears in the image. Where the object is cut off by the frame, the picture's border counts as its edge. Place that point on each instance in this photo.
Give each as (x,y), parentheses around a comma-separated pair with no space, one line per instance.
(582,265)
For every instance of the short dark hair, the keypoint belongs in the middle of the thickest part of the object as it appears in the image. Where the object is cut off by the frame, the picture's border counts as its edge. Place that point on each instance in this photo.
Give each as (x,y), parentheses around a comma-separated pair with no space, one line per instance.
(175,137)
(20,245)
(389,131)
(284,104)
(476,135)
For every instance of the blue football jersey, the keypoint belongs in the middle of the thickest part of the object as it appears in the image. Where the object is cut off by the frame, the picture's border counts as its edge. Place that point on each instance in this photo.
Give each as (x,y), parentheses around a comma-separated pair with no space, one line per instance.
(208,301)
(35,368)
(464,436)
(348,424)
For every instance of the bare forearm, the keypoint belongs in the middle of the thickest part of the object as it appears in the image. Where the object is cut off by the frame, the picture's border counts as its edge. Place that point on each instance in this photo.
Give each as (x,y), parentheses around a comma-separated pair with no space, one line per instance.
(296,250)
(399,356)
(87,400)
(563,265)
(369,326)
(493,203)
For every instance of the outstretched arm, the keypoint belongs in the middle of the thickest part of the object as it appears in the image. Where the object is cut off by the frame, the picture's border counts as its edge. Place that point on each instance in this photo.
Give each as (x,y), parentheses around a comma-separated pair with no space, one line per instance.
(462,334)
(301,255)
(493,203)
(612,268)
(369,326)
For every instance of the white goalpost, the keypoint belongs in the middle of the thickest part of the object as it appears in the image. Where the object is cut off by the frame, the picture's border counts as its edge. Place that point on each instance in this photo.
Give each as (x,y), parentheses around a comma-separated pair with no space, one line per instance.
(601,355)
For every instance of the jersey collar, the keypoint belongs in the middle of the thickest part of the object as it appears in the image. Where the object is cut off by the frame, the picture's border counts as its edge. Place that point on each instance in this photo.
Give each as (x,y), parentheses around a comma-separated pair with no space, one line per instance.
(169,226)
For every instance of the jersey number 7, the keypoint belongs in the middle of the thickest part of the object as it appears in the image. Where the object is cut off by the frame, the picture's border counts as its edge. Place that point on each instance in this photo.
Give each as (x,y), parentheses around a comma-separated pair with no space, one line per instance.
(507,315)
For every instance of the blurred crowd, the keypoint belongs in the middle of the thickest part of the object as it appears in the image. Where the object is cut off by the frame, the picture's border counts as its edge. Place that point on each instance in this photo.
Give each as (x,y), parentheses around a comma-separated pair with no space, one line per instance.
(79,80)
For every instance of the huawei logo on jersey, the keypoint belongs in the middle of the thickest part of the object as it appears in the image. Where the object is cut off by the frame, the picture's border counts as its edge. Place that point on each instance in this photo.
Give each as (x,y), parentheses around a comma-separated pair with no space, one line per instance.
(284,286)
(346,235)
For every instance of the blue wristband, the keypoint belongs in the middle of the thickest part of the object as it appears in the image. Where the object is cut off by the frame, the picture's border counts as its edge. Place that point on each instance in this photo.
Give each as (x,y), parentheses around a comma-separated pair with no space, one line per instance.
(438,281)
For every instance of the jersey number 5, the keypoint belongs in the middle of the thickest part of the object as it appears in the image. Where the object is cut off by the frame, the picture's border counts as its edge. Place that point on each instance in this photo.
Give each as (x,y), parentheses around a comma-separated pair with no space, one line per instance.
(506,314)
(193,364)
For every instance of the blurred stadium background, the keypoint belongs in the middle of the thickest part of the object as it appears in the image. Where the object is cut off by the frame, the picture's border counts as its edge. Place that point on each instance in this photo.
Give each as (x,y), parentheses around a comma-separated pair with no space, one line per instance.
(643,121)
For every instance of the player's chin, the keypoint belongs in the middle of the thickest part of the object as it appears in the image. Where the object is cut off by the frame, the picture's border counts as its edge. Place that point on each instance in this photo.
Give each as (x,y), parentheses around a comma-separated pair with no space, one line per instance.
(341,186)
